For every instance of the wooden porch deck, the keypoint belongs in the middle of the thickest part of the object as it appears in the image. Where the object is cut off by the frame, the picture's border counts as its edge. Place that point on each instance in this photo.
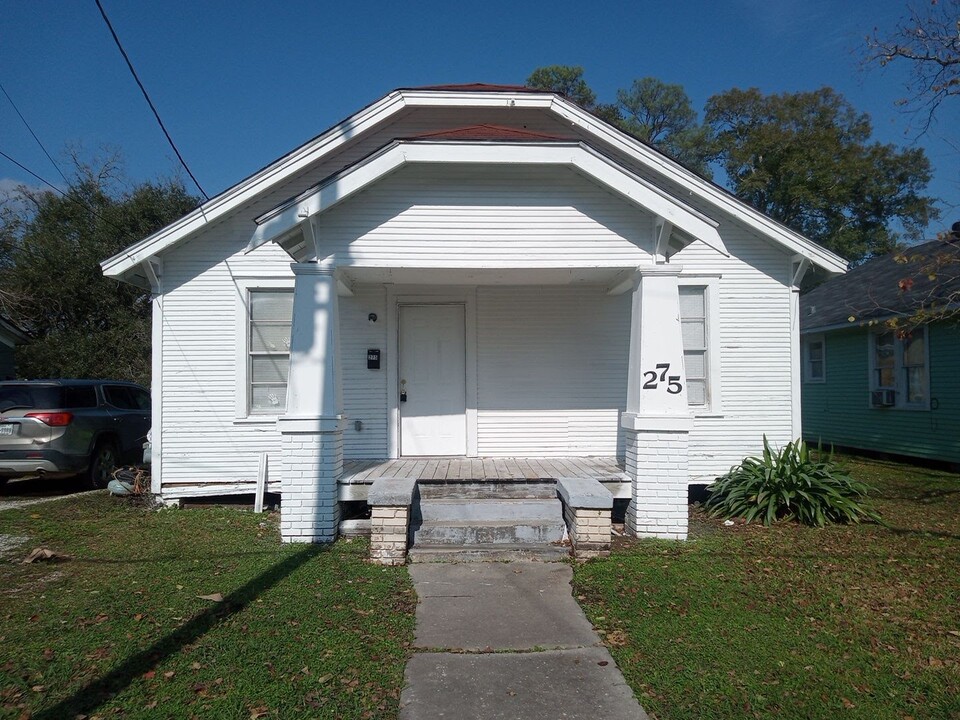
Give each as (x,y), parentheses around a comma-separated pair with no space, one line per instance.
(605,469)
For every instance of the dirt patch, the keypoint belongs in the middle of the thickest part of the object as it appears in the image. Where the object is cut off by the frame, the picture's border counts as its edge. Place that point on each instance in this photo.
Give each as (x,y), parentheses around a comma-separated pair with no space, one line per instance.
(9,543)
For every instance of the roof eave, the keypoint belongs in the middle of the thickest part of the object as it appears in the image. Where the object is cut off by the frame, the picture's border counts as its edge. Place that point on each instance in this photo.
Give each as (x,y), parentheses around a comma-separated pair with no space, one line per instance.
(246,190)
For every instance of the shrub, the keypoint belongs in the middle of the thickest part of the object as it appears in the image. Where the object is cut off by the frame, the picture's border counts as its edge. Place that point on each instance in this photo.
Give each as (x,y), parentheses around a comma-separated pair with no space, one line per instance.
(789,484)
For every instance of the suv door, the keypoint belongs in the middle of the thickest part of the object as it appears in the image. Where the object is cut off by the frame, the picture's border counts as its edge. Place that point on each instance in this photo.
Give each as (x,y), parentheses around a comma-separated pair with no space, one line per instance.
(130,408)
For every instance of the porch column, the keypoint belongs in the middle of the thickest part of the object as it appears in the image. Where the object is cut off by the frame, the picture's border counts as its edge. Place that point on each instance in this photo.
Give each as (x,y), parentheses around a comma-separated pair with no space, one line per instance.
(312,454)
(657,421)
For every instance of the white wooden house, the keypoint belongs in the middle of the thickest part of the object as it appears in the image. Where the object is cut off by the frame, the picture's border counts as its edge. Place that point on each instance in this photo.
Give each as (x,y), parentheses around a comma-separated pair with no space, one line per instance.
(469,272)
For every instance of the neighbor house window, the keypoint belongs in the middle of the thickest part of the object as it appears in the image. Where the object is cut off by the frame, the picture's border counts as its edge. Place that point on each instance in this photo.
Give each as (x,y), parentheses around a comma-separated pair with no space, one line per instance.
(693,319)
(268,350)
(815,359)
(898,365)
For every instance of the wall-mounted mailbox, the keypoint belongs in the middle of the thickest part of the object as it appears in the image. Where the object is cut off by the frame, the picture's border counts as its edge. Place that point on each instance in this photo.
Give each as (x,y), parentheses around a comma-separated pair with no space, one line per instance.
(373,359)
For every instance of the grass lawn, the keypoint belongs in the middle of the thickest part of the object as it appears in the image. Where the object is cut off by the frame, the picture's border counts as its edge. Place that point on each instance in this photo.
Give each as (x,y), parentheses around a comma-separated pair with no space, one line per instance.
(792,622)
(119,630)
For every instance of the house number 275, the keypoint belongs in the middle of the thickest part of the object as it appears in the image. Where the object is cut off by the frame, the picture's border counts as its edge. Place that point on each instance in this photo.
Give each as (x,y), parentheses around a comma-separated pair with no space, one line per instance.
(653,378)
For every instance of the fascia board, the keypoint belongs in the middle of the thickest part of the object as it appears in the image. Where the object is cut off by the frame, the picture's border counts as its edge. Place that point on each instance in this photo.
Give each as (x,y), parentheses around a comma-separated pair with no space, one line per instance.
(248,189)
(605,171)
(694,184)
(414,98)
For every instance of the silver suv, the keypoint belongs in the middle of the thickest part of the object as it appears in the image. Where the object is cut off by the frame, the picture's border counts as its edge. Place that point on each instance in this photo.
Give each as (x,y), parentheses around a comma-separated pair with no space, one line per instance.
(68,427)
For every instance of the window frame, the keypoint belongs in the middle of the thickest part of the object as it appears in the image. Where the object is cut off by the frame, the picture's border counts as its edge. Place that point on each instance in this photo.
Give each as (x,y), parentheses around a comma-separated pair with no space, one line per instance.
(899,371)
(809,341)
(713,406)
(245,286)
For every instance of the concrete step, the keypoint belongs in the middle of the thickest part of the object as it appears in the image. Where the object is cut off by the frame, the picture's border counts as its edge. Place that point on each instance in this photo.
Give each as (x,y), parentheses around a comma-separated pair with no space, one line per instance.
(487,553)
(500,532)
(470,510)
(493,490)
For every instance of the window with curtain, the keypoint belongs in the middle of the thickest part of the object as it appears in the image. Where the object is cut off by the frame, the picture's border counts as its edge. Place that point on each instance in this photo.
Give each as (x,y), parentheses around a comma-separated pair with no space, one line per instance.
(693,319)
(268,347)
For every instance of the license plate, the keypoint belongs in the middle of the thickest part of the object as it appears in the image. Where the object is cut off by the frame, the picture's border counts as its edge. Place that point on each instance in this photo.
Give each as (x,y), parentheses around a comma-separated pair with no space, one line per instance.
(8,429)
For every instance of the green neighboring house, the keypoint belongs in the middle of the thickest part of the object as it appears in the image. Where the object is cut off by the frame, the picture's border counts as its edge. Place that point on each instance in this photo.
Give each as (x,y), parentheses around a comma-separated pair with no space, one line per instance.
(867,386)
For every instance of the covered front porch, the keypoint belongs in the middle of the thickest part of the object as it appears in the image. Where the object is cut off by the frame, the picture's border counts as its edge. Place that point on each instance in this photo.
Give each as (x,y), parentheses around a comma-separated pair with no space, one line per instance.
(471,353)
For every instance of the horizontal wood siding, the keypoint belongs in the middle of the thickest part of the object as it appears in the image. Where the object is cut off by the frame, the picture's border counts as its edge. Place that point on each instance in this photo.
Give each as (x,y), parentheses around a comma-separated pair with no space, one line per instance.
(364,391)
(427,216)
(552,361)
(838,410)
(754,351)
(552,370)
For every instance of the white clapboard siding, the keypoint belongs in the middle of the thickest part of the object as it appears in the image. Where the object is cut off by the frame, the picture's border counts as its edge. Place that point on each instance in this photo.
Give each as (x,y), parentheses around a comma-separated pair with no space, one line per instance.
(552,369)
(428,216)
(754,351)
(364,391)
(552,361)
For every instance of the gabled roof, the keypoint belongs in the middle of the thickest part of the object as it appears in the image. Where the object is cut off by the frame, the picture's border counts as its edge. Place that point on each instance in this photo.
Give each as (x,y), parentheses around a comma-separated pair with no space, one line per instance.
(279,222)
(895,285)
(127,264)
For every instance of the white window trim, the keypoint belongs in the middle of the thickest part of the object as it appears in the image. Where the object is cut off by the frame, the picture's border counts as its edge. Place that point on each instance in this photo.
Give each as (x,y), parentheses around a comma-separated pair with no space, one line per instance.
(899,381)
(242,415)
(714,404)
(807,341)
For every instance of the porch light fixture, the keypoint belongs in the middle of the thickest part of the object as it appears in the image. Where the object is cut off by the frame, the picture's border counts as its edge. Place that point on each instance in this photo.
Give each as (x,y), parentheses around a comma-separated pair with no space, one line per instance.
(372,318)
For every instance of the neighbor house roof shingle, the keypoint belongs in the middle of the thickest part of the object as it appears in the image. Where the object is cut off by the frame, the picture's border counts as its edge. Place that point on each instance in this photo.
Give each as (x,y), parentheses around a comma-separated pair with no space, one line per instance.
(872,291)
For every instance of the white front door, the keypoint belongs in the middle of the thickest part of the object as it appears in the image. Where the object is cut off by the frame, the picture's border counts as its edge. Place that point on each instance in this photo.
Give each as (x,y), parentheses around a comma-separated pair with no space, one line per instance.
(432,380)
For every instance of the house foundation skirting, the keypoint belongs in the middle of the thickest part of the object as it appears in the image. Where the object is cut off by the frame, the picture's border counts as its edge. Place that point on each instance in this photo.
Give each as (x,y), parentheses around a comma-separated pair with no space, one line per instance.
(311,466)
(657,463)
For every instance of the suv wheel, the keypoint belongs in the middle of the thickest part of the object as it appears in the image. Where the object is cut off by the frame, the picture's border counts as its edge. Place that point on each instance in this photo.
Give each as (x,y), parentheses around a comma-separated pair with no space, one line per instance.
(102,463)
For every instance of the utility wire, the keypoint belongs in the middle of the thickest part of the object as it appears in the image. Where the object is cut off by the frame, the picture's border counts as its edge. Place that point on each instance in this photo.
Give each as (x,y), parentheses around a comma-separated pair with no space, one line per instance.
(27,125)
(71,198)
(147,98)
(28,170)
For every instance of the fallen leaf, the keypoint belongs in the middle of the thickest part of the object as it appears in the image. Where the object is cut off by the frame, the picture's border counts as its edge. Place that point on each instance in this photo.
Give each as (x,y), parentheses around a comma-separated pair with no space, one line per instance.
(324,679)
(258,712)
(169,674)
(43,554)
(138,617)
(150,674)
(48,654)
(847,704)
(196,666)
(38,688)
(215,597)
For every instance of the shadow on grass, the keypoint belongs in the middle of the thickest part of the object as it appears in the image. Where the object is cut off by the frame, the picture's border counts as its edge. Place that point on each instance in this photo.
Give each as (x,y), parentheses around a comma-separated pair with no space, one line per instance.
(90,697)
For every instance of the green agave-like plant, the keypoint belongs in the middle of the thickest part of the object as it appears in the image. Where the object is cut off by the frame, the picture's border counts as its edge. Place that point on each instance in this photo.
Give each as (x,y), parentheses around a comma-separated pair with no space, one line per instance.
(789,484)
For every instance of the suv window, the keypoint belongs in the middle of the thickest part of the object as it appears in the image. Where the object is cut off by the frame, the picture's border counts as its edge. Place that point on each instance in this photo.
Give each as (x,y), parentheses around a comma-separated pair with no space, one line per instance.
(16,395)
(120,396)
(79,396)
(142,398)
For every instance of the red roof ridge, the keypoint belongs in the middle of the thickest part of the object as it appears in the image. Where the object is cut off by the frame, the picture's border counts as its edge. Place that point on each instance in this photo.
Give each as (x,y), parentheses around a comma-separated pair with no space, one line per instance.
(488,132)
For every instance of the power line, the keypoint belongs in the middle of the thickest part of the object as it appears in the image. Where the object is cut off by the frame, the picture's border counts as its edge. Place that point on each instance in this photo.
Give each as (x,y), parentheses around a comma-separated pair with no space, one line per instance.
(133,72)
(71,198)
(27,125)
(28,170)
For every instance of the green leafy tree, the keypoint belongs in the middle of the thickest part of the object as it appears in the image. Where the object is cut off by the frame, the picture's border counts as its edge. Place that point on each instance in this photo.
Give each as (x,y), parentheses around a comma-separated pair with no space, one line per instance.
(661,114)
(807,160)
(82,324)
(566,80)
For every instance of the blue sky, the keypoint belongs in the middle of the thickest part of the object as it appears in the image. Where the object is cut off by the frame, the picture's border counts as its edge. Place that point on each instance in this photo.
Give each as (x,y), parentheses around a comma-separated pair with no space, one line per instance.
(241,83)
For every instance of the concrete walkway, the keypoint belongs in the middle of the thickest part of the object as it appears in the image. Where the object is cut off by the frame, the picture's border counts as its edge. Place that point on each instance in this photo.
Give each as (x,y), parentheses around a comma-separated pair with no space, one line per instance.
(507,640)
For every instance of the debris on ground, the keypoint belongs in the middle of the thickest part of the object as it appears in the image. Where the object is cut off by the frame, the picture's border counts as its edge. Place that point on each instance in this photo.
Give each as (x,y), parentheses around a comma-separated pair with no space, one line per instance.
(44,555)
(129,480)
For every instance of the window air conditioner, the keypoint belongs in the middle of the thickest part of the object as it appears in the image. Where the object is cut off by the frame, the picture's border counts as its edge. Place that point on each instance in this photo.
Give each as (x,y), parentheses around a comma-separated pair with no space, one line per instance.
(883,398)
